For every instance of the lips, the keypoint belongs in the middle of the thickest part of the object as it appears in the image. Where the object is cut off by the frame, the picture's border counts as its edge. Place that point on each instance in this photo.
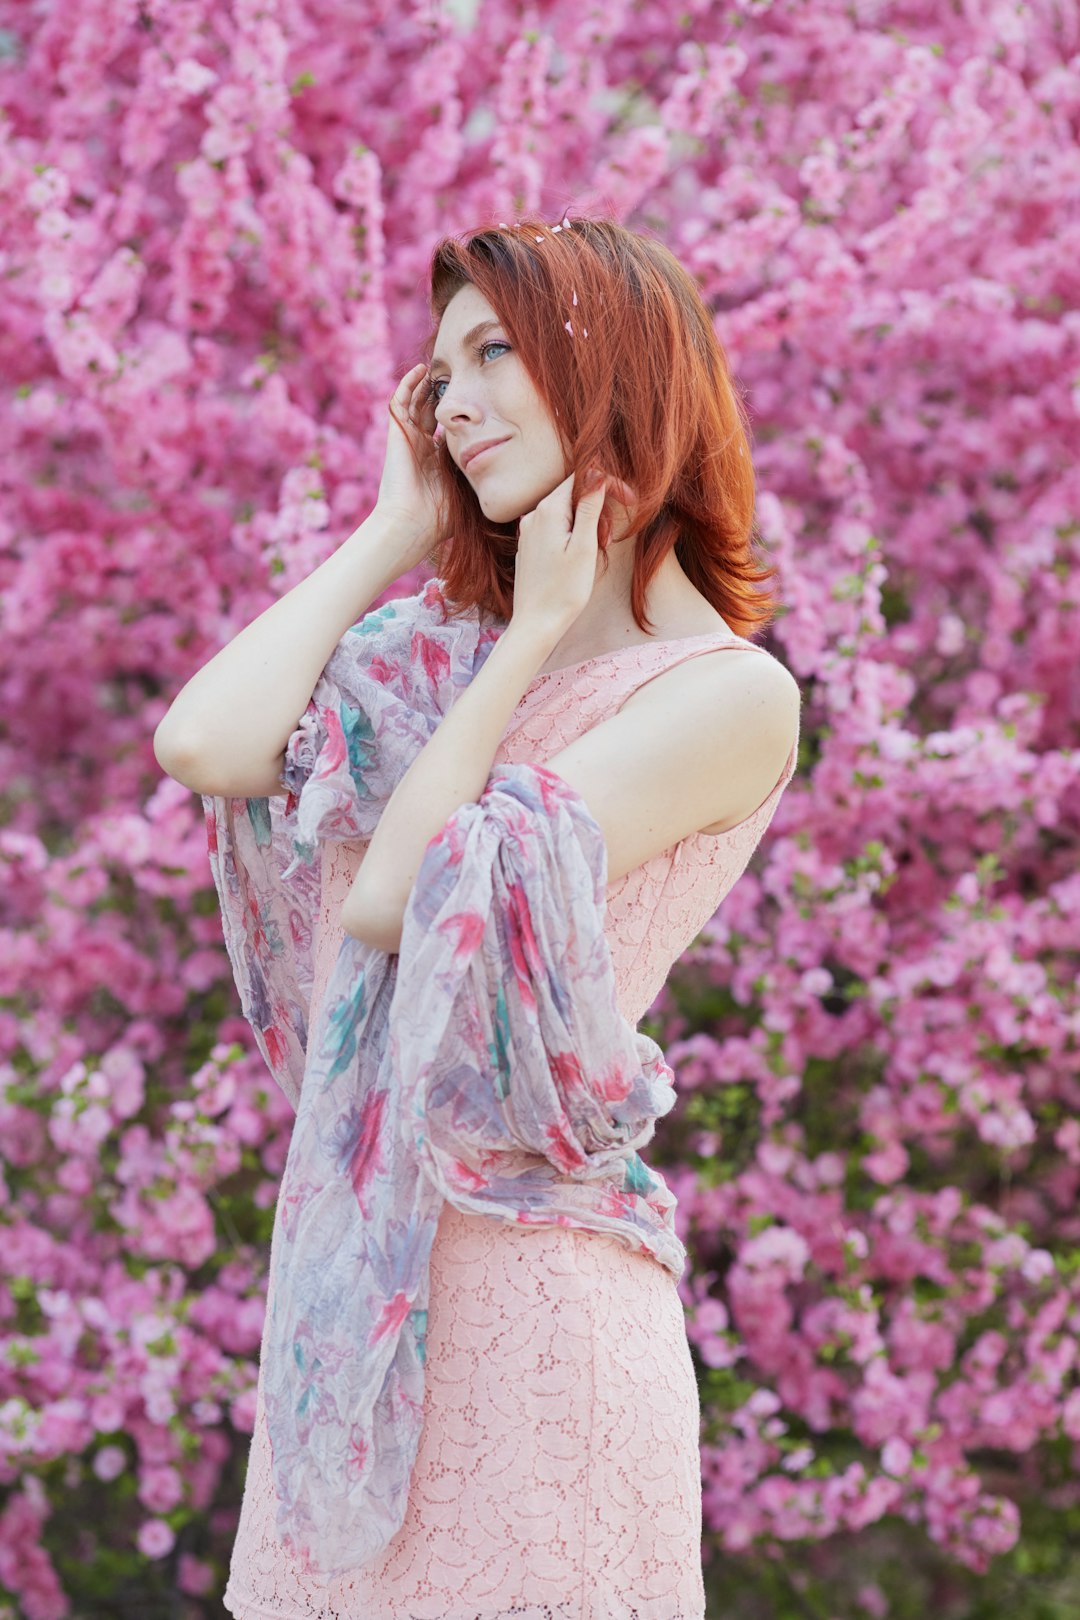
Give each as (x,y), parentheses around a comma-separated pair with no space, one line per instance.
(475,450)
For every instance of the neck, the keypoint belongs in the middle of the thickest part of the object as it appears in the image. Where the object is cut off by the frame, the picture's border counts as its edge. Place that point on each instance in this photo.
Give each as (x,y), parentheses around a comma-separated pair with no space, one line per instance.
(607,623)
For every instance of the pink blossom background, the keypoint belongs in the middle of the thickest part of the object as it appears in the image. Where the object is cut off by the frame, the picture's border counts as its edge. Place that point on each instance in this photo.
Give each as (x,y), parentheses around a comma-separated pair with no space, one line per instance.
(215,220)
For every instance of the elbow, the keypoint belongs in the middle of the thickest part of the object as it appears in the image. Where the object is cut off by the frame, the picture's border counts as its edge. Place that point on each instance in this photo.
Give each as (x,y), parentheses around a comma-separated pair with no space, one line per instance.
(190,764)
(373,921)
(179,759)
(174,756)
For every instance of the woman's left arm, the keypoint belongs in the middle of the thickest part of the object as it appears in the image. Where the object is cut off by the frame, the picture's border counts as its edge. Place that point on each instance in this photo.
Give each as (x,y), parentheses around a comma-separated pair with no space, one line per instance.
(703,742)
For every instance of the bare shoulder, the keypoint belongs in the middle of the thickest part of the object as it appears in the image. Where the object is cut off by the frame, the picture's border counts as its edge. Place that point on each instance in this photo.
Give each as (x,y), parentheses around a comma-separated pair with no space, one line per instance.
(743,679)
(696,748)
(737,667)
(746,700)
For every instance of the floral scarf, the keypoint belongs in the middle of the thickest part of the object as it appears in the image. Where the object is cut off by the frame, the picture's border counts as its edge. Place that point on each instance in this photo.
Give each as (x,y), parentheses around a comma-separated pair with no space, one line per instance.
(486,1063)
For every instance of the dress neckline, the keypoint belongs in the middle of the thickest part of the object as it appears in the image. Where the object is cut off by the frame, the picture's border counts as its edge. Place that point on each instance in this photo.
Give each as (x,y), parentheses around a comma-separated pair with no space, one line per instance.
(636,647)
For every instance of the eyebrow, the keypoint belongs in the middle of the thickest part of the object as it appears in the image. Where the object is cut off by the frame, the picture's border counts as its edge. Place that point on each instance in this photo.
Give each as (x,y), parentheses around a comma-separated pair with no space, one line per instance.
(471,335)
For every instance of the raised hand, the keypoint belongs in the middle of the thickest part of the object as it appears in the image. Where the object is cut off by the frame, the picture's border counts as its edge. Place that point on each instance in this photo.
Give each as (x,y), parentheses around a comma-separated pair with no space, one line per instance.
(410,488)
(558,553)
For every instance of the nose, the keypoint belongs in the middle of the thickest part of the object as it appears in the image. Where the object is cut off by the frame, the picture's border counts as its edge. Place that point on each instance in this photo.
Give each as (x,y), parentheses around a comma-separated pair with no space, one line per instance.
(459,418)
(453,407)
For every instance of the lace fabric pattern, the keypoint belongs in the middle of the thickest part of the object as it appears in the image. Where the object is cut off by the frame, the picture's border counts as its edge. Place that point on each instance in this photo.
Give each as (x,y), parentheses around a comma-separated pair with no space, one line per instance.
(545,1487)
(541,1486)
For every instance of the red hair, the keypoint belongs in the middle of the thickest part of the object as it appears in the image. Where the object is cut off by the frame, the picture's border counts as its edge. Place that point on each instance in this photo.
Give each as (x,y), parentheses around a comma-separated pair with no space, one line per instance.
(647,396)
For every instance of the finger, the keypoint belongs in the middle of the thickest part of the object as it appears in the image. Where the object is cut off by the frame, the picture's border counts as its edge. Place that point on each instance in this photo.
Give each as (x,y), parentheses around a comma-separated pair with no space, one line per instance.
(402,393)
(409,379)
(589,508)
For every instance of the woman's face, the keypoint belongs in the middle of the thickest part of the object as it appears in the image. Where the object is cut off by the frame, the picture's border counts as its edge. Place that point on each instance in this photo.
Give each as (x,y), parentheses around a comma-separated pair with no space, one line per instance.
(482,391)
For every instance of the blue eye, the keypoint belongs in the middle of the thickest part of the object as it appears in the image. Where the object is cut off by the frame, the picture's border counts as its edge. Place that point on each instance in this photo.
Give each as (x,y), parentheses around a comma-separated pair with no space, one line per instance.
(492,343)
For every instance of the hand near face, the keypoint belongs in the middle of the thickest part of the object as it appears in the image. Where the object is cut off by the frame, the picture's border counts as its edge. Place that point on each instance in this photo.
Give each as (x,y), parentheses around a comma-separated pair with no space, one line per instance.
(558,553)
(409,491)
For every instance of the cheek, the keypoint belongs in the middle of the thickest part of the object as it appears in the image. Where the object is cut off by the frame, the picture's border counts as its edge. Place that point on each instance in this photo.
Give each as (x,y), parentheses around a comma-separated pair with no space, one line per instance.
(545,441)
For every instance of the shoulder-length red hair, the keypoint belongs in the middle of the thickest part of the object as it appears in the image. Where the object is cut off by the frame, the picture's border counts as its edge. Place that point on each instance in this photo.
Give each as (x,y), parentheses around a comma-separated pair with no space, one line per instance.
(647,395)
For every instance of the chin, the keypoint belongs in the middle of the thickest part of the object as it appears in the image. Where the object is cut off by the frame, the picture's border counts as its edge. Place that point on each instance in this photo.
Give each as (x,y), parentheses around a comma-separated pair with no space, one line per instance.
(506,509)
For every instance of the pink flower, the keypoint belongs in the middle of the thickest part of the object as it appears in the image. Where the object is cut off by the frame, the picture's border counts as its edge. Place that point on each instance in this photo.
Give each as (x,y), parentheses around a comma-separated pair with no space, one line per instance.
(194,1575)
(160,1489)
(155,1538)
(109,1462)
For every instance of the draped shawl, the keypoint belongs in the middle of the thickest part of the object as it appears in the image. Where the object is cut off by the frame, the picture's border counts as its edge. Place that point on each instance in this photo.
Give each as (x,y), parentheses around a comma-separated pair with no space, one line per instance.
(485,1063)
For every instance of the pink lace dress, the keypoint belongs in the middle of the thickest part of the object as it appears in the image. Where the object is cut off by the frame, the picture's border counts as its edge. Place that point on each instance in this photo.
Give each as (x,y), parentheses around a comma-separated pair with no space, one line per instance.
(546,1486)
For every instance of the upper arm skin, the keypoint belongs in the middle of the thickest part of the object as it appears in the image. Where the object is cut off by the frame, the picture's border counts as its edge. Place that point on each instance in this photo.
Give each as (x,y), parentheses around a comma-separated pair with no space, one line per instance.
(701,743)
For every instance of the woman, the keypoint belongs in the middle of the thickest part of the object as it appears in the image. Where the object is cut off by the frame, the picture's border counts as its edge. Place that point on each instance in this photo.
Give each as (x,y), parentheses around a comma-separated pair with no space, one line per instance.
(558,1472)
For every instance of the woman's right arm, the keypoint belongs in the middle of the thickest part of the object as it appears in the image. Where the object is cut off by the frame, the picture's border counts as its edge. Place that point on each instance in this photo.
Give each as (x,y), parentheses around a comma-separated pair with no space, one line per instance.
(226,731)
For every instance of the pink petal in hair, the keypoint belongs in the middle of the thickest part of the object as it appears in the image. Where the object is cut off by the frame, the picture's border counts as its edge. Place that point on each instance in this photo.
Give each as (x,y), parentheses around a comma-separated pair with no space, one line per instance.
(569,328)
